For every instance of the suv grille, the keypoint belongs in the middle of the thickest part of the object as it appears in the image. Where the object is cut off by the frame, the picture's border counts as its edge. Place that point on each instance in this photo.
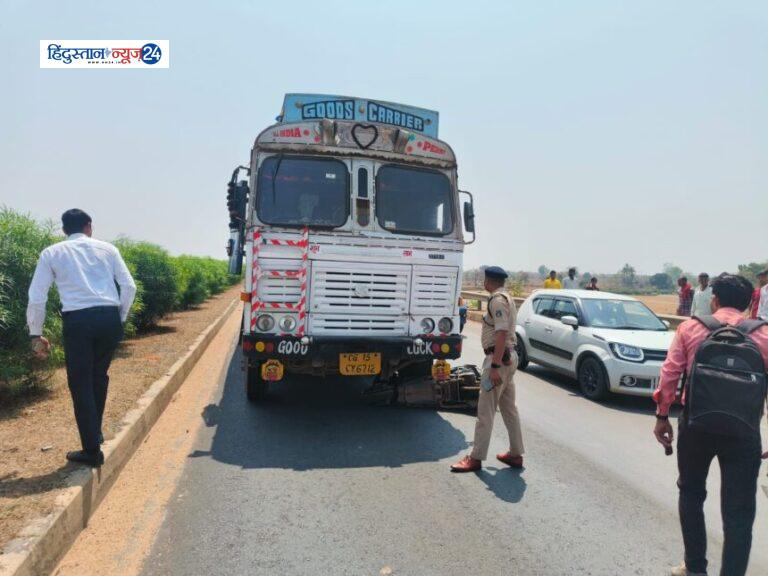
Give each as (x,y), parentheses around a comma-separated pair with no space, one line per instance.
(655,355)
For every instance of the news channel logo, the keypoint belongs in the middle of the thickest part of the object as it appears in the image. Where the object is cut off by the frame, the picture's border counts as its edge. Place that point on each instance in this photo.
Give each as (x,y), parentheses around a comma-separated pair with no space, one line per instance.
(150,54)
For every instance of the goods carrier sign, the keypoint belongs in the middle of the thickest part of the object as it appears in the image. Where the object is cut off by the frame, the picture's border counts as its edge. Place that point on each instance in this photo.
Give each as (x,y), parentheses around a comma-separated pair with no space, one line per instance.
(302,107)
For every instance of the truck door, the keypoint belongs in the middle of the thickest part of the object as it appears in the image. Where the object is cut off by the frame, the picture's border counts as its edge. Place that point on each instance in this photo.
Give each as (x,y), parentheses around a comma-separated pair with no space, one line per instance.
(362,194)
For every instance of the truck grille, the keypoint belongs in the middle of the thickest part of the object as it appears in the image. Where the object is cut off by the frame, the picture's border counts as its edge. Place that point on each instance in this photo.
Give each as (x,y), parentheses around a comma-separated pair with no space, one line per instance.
(434,290)
(333,325)
(280,287)
(359,289)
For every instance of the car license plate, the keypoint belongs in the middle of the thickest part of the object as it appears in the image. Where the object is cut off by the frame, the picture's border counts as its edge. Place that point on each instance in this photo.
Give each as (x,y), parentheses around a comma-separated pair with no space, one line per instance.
(360,363)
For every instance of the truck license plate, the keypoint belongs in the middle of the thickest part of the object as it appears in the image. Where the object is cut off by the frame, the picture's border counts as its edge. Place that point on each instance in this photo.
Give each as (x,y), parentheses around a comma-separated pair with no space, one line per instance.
(360,363)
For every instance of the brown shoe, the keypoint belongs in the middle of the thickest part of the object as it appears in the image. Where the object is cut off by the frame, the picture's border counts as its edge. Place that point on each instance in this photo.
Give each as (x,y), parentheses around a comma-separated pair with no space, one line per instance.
(467,464)
(510,460)
(681,570)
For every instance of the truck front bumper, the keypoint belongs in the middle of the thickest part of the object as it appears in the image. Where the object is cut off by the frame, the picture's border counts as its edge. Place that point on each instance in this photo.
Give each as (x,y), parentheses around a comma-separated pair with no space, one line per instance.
(326,349)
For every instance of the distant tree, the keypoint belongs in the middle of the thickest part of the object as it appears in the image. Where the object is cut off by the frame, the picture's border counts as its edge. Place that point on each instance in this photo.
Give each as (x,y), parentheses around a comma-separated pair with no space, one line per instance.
(751,270)
(585,278)
(628,279)
(674,272)
(661,281)
(521,277)
(543,271)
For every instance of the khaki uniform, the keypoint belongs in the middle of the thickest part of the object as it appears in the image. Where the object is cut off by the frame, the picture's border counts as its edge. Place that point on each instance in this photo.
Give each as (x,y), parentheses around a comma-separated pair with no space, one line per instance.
(501,315)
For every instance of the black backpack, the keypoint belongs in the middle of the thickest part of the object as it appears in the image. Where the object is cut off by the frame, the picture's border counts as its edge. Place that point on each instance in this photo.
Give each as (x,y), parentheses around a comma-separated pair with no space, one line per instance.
(727,384)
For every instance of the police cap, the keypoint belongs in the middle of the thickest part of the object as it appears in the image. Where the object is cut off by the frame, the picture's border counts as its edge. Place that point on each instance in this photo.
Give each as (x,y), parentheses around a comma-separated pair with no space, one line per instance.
(495,273)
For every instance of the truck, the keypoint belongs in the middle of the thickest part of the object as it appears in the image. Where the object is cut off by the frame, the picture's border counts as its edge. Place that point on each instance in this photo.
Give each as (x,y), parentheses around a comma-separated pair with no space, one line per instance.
(350,225)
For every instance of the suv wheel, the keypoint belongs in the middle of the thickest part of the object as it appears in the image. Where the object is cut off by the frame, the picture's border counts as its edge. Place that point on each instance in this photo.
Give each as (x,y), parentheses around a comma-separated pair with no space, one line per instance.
(522,354)
(593,380)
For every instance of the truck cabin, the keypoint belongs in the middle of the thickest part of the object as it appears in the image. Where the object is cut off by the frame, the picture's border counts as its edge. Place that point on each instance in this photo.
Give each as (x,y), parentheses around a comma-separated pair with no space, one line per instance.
(355,166)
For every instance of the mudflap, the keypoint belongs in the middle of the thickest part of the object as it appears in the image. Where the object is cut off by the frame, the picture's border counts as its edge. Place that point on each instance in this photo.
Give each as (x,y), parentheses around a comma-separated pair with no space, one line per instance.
(458,392)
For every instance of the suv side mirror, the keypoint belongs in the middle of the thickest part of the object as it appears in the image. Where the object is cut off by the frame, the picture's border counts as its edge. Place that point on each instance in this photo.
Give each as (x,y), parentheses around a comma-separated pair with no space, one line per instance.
(570,321)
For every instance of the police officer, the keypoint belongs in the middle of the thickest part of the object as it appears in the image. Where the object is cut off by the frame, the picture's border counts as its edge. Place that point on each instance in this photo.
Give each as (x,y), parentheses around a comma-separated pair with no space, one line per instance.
(498,341)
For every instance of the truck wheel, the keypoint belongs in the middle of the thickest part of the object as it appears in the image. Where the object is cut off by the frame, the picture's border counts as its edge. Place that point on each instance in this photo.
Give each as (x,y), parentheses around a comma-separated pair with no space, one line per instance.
(593,380)
(522,354)
(256,388)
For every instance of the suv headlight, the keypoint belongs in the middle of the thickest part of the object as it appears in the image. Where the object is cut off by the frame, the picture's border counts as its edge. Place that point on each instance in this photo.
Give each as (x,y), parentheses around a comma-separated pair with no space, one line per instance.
(628,353)
(427,325)
(287,323)
(445,325)
(265,323)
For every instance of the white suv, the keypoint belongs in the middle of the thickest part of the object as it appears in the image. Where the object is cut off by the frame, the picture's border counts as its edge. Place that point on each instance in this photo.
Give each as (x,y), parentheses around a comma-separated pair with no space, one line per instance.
(609,342)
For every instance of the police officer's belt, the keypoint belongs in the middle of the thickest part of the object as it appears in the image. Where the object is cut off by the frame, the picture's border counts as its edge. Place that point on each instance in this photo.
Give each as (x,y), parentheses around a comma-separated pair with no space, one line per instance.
(505,358)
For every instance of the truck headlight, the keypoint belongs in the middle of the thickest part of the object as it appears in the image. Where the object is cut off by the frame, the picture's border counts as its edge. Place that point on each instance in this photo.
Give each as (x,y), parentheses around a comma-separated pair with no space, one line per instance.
(445,325)
(627,352)
(427,325)
(287,323)
(265,323)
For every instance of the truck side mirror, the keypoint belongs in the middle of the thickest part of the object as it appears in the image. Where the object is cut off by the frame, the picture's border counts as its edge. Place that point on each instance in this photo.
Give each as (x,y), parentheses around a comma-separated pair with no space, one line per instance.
(237,205)
(469,217)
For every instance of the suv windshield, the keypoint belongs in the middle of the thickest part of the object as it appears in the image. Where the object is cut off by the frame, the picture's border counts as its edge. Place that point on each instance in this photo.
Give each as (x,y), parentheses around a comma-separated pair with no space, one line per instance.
(410,200)
(620,315)
(303,191)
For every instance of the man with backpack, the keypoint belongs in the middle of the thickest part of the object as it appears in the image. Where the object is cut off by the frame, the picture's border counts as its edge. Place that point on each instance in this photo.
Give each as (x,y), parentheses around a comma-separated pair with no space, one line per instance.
(723,360)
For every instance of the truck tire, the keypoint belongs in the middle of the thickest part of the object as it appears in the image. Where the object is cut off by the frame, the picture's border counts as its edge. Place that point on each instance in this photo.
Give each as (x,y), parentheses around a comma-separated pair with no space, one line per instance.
(256,387)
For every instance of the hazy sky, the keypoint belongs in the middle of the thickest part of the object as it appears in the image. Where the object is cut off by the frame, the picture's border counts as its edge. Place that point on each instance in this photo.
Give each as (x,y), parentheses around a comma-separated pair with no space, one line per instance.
(591,133)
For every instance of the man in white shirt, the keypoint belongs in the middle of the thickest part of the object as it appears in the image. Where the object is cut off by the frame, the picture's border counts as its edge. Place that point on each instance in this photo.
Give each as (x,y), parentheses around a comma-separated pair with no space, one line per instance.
(702,297)
(570,282)
(85,271)
(762,307)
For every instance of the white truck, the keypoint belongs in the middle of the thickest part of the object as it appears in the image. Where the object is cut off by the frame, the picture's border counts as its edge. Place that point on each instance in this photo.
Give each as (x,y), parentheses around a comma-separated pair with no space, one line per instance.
(350,225)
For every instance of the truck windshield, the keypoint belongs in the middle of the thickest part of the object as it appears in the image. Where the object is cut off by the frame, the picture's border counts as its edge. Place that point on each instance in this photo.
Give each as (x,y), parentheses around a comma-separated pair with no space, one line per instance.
(303,191)
(411,200)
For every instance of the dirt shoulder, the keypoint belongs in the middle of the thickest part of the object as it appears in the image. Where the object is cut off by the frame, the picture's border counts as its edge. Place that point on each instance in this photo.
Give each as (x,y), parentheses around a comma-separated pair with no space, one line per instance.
(34,439)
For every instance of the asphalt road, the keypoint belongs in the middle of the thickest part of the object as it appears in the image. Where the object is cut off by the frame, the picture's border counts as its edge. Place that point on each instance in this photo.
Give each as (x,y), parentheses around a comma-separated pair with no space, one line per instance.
(317,481)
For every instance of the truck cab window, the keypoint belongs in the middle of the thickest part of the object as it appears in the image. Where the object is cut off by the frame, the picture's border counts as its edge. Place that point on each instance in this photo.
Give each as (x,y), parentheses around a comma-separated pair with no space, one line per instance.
(414,201)
(303,191)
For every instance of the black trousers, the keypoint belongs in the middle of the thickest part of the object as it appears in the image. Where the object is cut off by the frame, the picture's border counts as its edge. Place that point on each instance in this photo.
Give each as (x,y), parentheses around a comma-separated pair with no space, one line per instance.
(739,460)
(91,336)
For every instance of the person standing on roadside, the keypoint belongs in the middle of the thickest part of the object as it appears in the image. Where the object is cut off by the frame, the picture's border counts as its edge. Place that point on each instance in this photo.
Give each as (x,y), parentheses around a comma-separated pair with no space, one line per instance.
(498,341)
(592,284)
(86,272)
(760,298)
(702,297)
(552,282)
(702,435)
(570,282)
(684,297)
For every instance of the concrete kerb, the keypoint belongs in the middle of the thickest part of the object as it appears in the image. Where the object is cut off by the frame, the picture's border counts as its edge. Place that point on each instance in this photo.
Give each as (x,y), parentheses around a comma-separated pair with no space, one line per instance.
(44,541)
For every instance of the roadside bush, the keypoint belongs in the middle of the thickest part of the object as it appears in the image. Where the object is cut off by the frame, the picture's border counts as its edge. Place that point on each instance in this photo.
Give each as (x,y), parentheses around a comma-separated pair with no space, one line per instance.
(163,284)
(21,241)
(193,284)
(200,278)
(153,268)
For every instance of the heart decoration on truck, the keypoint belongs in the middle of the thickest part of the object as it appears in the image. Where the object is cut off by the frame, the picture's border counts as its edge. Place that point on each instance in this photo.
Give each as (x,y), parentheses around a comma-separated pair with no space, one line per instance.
(365,135)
